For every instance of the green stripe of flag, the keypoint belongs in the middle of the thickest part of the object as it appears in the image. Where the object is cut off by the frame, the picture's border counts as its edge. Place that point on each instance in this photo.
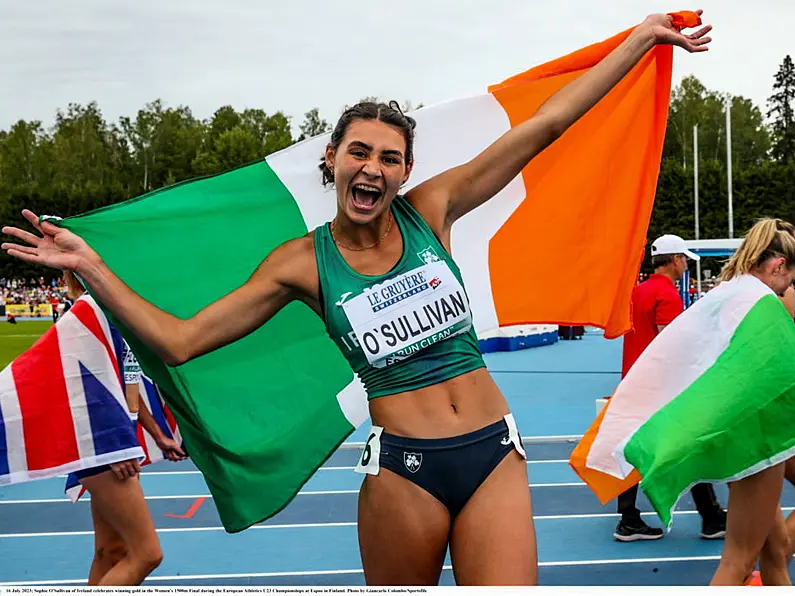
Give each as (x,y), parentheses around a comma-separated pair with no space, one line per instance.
(258,416)
(729,421)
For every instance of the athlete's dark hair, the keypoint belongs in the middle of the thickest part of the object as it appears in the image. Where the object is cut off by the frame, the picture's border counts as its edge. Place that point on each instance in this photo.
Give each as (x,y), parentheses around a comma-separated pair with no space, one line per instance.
(368,110)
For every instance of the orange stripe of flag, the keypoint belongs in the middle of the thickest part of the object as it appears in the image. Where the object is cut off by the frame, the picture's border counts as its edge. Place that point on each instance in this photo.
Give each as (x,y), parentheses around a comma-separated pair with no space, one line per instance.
(571,251)
(605,486)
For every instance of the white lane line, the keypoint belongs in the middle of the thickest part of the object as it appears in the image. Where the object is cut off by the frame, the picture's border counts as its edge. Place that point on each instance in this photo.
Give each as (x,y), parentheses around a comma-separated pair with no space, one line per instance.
(331,525)
(303,493)
(182,578)
(323,469)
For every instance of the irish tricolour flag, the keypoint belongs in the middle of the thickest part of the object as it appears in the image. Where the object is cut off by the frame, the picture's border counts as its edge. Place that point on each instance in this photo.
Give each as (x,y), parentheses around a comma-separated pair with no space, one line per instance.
(711,399)
(261,415)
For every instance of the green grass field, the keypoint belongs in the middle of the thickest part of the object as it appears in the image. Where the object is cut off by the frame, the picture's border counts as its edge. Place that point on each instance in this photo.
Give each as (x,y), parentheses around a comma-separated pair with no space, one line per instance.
(15,339)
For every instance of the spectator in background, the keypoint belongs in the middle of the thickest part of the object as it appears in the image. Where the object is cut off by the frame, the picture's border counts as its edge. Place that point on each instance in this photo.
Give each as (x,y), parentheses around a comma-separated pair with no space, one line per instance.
(18,292)
(655,304)
(54,303)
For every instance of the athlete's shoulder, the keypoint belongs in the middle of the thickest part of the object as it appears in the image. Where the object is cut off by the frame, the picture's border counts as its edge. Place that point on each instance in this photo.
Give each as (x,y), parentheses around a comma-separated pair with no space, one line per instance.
(429,202)
(296,248)
(292,262)
(296,266)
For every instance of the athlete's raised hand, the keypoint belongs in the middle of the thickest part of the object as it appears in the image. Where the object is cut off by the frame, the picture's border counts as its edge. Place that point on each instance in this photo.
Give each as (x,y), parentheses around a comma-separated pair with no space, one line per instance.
(56,247)
(665,31)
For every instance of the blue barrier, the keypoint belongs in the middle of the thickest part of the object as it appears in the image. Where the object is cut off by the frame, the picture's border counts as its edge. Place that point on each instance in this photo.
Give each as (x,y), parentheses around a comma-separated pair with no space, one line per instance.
(519,337)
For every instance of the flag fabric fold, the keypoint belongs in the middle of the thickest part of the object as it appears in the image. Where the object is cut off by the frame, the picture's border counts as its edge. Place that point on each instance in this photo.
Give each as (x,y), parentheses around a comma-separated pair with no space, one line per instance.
(151,399)
(707,401)
(261,415)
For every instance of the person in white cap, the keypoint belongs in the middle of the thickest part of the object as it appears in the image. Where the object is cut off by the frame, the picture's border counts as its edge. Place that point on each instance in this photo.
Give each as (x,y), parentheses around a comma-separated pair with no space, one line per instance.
(655,304)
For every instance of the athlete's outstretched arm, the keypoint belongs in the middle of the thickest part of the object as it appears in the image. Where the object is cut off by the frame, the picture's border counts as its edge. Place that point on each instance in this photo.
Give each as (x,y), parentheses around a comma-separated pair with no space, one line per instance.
(275,283)
(464,188)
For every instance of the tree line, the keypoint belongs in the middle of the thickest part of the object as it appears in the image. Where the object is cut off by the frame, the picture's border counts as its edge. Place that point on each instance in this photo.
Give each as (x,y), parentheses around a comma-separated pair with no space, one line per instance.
(83,162)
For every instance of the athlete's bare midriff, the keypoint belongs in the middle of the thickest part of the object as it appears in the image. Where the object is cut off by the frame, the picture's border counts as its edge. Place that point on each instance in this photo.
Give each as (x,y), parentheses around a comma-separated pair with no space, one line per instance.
(457,406)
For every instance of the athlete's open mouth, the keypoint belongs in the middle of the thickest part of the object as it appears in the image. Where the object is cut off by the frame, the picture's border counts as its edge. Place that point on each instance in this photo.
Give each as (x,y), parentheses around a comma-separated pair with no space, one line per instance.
(365,196)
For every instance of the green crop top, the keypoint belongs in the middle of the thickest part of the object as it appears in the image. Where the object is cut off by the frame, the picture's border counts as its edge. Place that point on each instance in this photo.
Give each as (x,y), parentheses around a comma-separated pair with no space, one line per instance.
(406,329)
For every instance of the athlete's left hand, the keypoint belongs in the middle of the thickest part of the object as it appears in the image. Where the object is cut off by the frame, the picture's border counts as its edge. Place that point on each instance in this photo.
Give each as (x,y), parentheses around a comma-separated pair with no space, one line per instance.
(664,32)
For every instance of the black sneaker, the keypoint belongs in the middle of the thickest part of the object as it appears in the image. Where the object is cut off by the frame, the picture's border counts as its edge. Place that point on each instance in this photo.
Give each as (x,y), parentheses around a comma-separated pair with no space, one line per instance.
(714,528)
(630,531)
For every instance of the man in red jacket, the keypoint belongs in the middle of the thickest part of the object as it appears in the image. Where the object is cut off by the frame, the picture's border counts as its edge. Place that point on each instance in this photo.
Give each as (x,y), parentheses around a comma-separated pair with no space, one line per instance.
(655,304)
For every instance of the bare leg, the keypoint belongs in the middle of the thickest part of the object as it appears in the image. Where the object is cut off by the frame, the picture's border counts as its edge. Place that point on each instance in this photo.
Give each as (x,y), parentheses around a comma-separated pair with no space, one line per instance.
(789,474)
(109,548)
(403,532)
(753,506)
(122,505)
(493,540)
(775,555)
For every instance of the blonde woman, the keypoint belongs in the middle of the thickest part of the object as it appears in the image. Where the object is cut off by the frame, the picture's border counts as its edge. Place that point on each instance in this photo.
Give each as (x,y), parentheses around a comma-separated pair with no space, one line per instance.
(755,527)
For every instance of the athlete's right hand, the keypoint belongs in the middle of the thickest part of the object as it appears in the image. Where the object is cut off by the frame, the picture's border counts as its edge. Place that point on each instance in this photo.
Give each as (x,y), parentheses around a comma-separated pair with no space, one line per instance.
(126,469)
(170,449)
(57,247)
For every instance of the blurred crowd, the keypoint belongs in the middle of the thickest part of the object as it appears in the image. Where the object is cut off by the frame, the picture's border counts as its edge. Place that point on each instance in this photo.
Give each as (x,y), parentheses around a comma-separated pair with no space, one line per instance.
(39,298)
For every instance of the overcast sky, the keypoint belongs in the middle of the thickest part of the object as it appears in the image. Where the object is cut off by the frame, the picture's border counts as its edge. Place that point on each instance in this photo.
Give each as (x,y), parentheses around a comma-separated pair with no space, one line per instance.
(292,55)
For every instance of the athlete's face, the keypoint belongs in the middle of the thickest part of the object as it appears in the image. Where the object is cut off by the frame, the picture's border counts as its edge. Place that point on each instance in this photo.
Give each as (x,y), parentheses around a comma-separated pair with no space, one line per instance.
(369,167)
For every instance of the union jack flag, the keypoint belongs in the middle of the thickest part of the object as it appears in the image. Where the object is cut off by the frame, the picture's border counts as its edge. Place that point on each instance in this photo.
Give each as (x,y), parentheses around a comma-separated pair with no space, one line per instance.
(151,399)
(62,403)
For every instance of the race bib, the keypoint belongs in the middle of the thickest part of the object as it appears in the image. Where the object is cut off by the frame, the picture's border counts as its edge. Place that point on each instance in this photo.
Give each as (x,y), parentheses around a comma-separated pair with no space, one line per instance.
(132,370)
(400,317)
(369,460)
